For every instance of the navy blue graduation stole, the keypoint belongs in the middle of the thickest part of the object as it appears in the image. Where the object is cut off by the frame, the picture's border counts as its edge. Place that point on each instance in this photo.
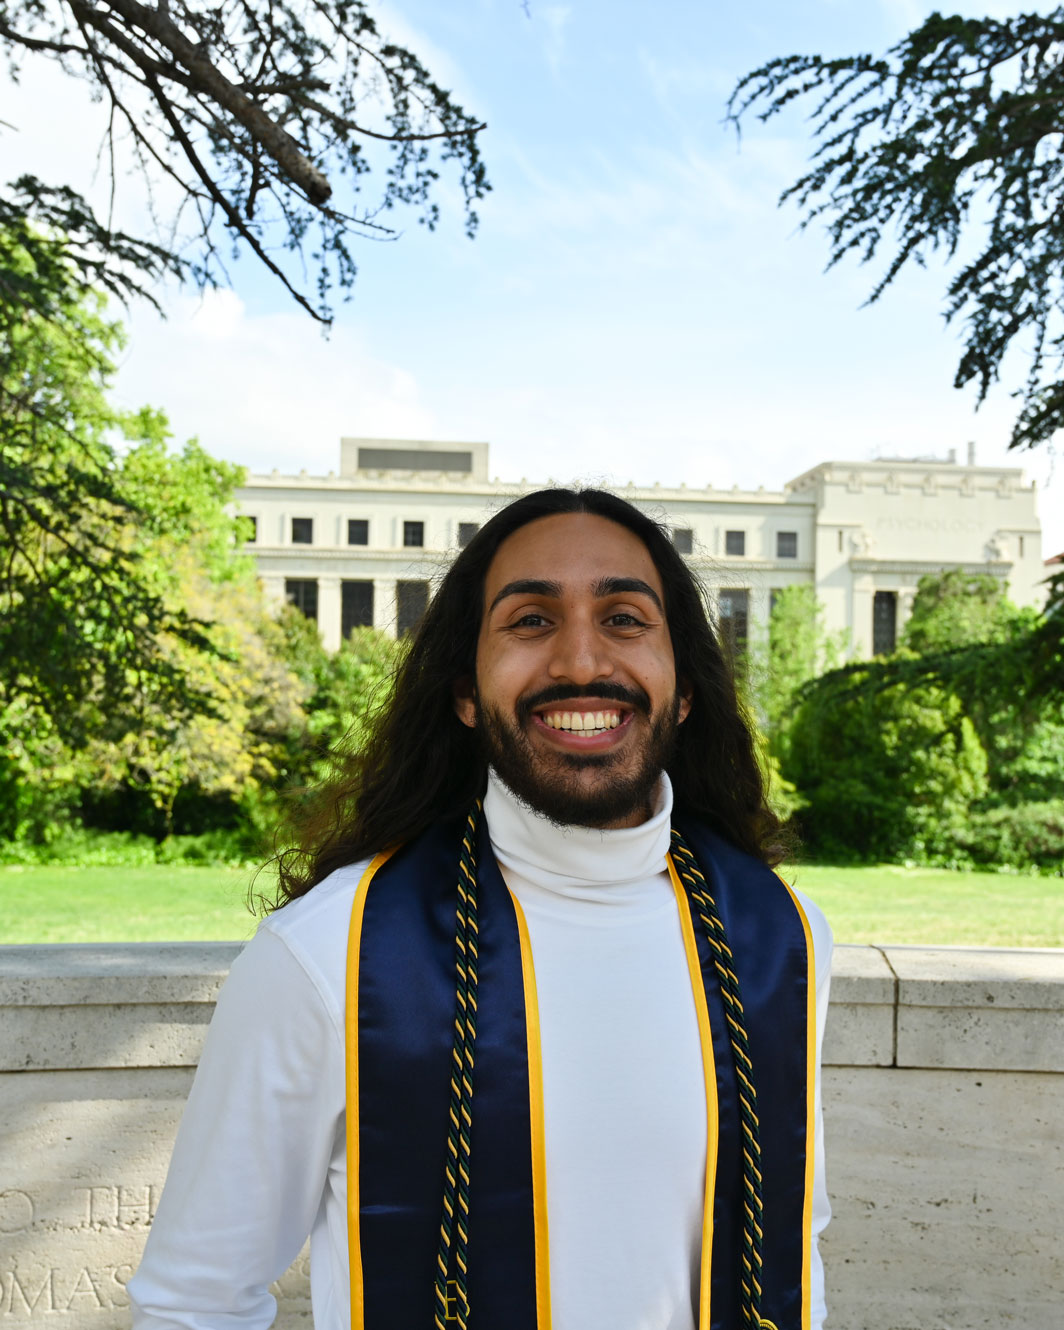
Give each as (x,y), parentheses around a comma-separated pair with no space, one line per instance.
(400,1035)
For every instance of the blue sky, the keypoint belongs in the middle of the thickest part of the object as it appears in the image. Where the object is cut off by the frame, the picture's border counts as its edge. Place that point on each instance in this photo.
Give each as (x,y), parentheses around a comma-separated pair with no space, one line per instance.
(635,305)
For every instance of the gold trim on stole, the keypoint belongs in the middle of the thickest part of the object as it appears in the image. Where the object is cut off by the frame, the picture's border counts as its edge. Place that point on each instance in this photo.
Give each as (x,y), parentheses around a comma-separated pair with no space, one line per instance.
(538,1133)
(709,1071)
(354,941)
(810,1118)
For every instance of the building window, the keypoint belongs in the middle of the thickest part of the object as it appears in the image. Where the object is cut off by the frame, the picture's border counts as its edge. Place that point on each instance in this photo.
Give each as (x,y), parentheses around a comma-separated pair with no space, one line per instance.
(840,540)
(735,618)
(356,606)
(411,602)
(302,531)
(884,622)
(1021,547)
(413,534)
(683,538)
(252,529)
(735,542)
(786,544)
(466,532)
(303,594)
(357,531)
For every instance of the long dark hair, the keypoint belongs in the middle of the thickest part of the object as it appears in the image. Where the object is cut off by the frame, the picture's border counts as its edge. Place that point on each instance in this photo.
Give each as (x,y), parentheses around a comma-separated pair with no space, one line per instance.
(419,764)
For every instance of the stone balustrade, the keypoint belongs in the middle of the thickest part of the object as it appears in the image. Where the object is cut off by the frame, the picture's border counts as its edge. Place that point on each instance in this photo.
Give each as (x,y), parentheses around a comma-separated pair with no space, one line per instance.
(943,1103)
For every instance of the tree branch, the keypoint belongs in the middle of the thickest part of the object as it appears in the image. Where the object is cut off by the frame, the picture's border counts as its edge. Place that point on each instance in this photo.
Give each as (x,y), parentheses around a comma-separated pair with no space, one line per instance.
(208,79)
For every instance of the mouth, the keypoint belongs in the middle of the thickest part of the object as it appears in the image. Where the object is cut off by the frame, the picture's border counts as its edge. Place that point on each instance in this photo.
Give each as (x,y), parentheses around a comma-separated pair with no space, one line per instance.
(583,723)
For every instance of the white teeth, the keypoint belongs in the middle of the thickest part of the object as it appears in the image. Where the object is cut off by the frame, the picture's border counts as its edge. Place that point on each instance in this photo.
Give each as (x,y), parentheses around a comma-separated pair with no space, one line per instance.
(582,722)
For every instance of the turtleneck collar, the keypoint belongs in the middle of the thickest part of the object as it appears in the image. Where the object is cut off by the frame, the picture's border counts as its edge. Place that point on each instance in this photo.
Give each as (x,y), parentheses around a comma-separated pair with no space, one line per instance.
(581,862)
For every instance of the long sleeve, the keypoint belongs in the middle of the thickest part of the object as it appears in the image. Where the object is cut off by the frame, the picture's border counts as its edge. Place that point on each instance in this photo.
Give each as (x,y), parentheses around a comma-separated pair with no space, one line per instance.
(823,947)
(253,1153)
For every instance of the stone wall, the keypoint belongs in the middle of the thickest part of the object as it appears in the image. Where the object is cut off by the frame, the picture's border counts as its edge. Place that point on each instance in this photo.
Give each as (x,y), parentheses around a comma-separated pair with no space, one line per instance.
(944,1105)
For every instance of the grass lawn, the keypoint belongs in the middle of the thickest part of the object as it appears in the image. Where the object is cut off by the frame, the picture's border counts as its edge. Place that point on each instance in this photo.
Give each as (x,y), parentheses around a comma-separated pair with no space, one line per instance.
(166,903)
(936,906)
(884,904)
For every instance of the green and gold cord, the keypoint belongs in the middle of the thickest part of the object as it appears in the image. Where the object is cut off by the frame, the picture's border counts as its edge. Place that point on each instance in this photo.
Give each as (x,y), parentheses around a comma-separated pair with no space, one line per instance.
(698,889)
(452,1296)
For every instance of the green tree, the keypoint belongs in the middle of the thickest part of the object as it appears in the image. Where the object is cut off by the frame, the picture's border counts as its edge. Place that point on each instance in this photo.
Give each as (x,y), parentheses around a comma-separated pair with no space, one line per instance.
(342,689)
(871,745)
(958,609)
(796,649)
(265,122)
(951,138)
(950,144)
(235,743)
(79,614)
(980,645)
(886,770)
(126,759)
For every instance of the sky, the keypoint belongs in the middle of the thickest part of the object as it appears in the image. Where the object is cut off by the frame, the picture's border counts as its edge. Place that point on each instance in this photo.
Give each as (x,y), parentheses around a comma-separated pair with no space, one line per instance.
(635,305)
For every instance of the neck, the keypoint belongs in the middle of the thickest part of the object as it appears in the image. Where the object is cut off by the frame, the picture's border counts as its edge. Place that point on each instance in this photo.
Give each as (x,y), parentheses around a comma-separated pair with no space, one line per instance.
(592,857)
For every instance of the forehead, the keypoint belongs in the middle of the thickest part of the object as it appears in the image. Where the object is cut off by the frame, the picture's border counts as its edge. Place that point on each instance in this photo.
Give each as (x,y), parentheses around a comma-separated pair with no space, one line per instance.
(575,550)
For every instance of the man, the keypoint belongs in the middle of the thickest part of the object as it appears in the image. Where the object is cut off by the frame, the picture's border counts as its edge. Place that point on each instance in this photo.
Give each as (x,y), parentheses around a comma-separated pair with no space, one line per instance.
(548,1061)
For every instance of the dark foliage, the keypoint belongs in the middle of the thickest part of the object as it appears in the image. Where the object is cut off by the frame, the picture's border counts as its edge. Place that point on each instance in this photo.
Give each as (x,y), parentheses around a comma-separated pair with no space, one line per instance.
(268,116)
(951,141)
(81,620)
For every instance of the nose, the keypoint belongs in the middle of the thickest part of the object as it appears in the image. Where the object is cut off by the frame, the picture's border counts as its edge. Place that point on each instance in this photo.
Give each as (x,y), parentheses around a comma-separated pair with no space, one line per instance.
(580,654)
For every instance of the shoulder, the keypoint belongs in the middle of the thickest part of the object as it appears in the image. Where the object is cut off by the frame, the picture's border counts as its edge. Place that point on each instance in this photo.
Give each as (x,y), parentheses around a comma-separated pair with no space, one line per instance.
(313,930)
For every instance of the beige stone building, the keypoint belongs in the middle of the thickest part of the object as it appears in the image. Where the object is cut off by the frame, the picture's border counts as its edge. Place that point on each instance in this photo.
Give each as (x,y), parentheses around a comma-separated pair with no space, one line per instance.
(363,545)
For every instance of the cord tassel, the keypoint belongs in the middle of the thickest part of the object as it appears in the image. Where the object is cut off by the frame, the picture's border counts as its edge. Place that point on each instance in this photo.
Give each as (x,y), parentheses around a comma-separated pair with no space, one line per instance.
(452,1293)
(698,889)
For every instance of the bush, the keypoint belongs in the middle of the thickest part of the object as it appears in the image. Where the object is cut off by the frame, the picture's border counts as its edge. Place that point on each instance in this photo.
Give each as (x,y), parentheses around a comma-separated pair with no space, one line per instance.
(885,772)
(1026,836)
(87,848)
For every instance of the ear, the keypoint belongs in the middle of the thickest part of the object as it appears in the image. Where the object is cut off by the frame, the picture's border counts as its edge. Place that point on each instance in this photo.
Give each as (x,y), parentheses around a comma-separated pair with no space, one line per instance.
(465,700)
(685,690)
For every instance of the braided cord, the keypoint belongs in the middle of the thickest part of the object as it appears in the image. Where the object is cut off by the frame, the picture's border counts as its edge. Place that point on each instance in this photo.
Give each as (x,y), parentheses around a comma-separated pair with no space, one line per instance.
(452,1297)
(698,889)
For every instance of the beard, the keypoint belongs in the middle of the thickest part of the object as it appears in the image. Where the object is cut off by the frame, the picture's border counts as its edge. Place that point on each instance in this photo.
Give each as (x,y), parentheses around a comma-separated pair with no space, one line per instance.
(554,784)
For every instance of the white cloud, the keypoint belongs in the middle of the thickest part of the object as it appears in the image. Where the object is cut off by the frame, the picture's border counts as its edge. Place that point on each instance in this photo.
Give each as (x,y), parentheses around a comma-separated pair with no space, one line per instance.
(267,390)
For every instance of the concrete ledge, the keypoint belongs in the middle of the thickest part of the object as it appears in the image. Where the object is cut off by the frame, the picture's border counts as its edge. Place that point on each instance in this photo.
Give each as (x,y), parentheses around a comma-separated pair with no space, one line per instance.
(993,1009)
(126,1005)
(87,973)
(860,1030)
(943,1098)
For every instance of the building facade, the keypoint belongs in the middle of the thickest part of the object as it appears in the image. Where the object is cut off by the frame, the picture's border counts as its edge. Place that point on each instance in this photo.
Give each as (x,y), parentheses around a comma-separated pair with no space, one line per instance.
(363,546)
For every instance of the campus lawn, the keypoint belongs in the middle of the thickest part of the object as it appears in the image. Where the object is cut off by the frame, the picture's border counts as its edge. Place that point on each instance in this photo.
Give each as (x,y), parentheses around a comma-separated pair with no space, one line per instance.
(881,904)
(168,903)
(936,906)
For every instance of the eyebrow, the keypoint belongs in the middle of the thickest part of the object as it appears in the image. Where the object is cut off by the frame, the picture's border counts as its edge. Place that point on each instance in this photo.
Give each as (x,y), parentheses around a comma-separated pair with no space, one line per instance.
(606,586)
(527,586)
(613,586)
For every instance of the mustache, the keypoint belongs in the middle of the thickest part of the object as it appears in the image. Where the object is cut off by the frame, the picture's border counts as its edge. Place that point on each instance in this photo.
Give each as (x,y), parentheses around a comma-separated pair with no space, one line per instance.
(636,698)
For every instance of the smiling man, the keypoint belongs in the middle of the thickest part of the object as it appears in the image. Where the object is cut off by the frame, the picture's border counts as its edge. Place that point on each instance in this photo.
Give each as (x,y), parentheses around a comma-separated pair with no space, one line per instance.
(535,1039)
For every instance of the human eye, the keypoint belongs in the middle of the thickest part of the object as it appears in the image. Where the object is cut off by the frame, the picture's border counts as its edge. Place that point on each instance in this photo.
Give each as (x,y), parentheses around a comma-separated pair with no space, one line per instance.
(625,619)
(530,619)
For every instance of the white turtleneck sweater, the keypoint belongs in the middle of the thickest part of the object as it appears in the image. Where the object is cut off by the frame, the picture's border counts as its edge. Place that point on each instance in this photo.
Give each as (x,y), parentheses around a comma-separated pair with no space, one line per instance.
(260,1159)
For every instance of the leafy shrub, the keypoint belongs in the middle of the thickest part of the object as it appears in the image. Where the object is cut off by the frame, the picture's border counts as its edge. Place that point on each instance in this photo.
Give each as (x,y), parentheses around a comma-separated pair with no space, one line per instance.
(886,771)
(88,848)
(1026,836)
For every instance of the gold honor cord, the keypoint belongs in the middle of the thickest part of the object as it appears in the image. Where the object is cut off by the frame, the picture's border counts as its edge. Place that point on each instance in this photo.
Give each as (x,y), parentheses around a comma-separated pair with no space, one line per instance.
(452,1296)
(698,889)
